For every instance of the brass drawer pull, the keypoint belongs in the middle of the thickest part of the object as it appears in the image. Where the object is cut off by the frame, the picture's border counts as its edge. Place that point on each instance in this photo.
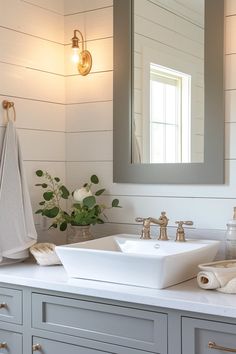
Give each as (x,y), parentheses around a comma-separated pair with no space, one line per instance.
(213,345)
(36,347)
(3,345)
(3,305)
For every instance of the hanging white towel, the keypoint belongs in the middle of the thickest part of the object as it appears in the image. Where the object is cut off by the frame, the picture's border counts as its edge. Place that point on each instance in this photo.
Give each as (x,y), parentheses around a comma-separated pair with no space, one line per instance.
(17,229)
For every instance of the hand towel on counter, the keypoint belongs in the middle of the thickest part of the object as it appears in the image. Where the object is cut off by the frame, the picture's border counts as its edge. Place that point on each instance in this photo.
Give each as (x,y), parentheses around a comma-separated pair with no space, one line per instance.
(17,229)
(218,275)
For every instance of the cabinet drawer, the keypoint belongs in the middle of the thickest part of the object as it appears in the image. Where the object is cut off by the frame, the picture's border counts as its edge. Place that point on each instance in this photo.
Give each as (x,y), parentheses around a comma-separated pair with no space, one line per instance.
(12,341)
(10,305)
(112,324)
(50,346)
(197,334)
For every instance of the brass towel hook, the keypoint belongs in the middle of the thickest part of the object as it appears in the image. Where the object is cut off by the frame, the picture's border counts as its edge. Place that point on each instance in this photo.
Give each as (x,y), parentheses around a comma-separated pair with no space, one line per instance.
(7,105)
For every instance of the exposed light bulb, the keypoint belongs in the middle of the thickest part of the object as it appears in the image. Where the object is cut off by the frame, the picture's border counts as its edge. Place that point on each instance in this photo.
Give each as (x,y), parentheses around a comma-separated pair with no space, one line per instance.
(75,55)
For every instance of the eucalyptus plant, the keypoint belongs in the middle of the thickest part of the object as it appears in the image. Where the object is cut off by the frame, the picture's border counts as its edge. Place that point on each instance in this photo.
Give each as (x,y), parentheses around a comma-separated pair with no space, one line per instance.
(85,210)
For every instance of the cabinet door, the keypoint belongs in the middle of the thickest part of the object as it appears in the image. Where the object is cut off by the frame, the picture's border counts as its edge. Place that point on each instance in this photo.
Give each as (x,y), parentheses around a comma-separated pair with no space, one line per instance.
(207,337)
(143,330)
(10,342)
(10,305)
(50,346)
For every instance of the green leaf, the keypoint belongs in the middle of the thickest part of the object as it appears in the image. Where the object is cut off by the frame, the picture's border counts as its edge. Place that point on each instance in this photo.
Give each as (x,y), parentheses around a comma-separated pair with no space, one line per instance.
(85,185)
(77,206)
(97,210)
(39,211)
(38,185)
(100,192)
(57,179)
(115,203)
(64,192)
(42,203)
(63,226)
(48,196)
(39,173)
(44,185)
(51,213)
(94,179)
(89,202)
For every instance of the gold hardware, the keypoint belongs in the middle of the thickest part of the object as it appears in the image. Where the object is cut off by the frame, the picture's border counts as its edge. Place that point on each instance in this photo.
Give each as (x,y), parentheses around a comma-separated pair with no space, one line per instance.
(82,58)
(145,234)
(3,305)
(213,345)
(3,345)
(7,105)
(180,234)
(36,347)
(162,221)
(163,227)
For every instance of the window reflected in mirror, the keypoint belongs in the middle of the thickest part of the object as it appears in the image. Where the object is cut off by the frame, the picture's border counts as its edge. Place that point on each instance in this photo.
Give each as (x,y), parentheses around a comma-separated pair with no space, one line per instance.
(168,81)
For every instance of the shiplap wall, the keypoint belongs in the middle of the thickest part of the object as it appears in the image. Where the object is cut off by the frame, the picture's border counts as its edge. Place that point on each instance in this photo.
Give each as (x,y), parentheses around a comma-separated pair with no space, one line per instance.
(45,89)
(32,75)
(89,134)
(89,99)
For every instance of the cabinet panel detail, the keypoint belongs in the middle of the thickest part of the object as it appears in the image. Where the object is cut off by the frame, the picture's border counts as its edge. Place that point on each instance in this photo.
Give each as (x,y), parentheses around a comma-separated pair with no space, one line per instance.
(10,305)
(10,342)
(207,337)
(112,324)
(51,346)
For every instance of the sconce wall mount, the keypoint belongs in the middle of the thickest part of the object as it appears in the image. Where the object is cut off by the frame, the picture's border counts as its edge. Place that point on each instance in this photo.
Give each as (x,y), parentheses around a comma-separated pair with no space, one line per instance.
(83,57)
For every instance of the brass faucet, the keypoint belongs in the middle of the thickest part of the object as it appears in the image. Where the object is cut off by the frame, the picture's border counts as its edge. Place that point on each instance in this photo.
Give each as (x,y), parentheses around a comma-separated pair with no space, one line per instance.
(180,234)
(162,221)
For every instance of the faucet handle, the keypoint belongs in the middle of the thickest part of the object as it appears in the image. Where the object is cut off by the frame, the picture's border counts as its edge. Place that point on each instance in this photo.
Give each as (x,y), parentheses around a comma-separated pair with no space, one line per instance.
(145,234)
(139,219)
(180,234)
(181,223)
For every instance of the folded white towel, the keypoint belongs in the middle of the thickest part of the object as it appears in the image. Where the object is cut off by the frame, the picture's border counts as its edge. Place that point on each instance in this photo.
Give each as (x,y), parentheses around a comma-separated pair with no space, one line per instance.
(17,229)
(229,288)
(218,275)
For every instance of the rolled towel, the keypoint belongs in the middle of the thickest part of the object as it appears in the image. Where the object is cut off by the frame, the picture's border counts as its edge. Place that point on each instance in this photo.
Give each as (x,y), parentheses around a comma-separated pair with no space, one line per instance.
(216,275)
(207,280)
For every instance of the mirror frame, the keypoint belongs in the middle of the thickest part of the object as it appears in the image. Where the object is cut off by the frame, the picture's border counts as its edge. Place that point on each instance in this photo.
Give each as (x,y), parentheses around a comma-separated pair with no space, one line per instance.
(211,171)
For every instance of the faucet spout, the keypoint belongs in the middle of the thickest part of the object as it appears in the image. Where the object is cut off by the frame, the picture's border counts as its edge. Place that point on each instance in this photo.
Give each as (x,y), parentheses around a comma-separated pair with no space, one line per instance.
(163,227)
(162,221)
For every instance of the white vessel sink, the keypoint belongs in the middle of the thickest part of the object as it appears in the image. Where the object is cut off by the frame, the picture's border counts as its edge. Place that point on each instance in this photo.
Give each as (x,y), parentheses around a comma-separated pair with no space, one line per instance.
(126,259)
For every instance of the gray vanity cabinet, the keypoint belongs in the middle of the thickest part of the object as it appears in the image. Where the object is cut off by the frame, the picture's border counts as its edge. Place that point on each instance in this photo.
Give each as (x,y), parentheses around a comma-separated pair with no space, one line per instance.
(50,322)
(207,337)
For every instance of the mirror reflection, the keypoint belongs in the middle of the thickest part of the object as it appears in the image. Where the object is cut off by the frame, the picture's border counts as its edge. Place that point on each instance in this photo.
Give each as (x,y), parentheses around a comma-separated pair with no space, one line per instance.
(168,81)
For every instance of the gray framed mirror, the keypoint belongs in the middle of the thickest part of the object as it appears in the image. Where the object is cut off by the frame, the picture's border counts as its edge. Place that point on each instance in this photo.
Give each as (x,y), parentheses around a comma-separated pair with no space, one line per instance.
(168,99)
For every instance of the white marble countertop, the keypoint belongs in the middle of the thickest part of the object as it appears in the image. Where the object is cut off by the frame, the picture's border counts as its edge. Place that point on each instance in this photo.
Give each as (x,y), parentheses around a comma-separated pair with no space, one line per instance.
(185,296)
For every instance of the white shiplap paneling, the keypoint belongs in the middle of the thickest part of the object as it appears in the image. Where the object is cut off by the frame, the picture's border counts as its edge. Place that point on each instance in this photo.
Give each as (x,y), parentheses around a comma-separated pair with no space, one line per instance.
(27,18)
(89,117)
(92,88)
(209,206)
(93,24)
(28,51)
(75,6)
(27,83)
(32,75)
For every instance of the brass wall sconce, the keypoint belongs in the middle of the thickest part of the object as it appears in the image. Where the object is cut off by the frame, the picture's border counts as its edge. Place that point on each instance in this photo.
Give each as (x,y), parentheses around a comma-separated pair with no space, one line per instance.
(81,57)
